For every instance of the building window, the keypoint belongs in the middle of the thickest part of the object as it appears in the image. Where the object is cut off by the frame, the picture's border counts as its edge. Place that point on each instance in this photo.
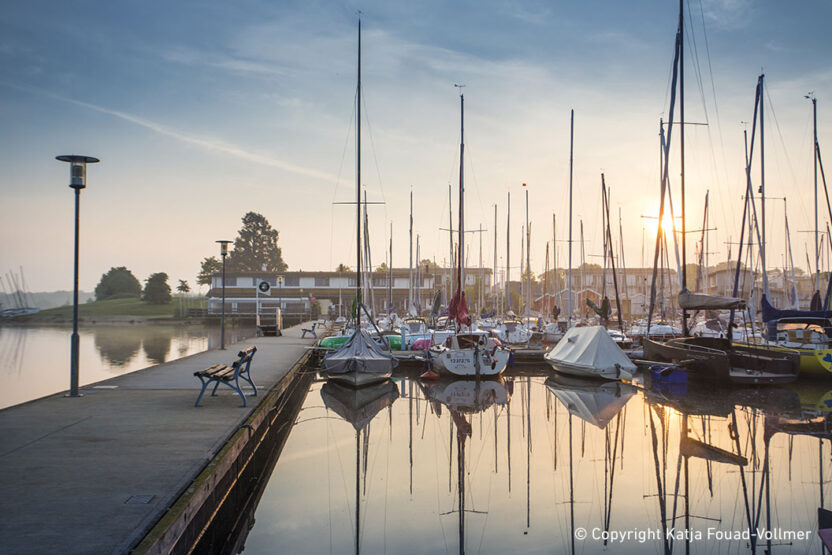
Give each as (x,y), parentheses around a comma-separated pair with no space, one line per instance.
(271,281)
(229,282)
(321,281)
(380,281)
(291,281)
(351,282)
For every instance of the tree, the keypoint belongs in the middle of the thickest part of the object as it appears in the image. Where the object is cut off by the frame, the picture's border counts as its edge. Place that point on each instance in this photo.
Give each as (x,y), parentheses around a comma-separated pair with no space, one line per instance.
(255,248)
(118,283)
(183,287)
(210,266)
(343,269)
(382,268)
(156,289)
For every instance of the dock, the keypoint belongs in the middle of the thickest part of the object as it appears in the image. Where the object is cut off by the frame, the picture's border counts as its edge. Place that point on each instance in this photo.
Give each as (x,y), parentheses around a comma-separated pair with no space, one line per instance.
(128,465)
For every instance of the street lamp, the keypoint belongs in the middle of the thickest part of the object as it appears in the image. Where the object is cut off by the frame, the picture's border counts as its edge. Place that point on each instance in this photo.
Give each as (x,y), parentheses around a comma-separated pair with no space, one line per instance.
(77,181)
(223,252)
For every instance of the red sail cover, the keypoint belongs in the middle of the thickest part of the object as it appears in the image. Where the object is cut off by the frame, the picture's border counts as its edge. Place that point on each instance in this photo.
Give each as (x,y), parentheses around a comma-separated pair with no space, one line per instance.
(458,309)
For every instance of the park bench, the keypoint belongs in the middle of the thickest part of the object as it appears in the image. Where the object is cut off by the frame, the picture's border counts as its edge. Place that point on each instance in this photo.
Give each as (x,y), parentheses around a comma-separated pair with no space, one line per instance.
(309,330)
(228,375)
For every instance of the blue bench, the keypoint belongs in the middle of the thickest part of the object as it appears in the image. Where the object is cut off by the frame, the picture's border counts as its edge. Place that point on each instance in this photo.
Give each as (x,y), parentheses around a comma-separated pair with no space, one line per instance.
(309,330)
(228,375)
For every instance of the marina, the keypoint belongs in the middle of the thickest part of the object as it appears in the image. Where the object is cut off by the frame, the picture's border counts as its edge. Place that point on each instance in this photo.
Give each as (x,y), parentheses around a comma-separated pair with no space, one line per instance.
(294,328)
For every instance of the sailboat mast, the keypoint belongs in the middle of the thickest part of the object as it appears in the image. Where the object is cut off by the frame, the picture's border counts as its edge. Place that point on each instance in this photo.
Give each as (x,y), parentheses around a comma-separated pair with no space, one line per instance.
(358,185)
(571,144)
(410,261)
(815,151)
(494,274)
(390,272)
(763,188)
(528,251)
(682,152)
(461,192)
(508,253)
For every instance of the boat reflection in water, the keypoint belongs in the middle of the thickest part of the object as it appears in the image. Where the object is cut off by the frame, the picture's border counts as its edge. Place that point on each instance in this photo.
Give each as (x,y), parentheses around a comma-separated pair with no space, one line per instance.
(462,398)
(359,406)
(522,463)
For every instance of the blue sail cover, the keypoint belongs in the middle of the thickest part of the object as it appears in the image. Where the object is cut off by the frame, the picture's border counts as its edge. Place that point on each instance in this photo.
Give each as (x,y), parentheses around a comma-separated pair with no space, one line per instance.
(770,313)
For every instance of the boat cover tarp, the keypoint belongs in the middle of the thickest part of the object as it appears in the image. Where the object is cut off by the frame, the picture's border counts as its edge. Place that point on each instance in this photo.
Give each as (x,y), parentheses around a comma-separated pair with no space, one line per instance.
(770,313)
(595,403)
(702,301)
(590,347)
(359,354)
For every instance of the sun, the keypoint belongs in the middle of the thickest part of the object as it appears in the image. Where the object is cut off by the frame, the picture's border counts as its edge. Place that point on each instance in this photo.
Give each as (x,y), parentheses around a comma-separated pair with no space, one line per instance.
(651,223)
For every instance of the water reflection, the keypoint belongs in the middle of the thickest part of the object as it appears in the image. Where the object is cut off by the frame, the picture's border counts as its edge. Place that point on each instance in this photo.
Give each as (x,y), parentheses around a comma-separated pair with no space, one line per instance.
(115,346)
(700,470)
(34,361)
(156,346)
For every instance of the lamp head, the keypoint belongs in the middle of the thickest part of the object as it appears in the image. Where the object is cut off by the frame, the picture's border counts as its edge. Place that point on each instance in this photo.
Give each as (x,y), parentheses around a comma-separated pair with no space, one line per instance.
(223,247)
(77,168)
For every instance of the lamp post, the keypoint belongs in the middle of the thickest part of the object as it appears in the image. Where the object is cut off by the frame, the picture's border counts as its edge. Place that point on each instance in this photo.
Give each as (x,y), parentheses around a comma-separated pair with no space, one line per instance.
(77,181)
(223,252)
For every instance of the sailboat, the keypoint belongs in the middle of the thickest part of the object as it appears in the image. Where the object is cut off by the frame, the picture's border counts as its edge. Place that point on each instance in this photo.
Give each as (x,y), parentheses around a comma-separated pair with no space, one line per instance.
(707,357)
(466,353)
(360,360)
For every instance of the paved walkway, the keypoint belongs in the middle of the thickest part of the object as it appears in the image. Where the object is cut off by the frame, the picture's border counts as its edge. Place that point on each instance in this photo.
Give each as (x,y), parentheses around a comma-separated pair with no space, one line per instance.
(93,474)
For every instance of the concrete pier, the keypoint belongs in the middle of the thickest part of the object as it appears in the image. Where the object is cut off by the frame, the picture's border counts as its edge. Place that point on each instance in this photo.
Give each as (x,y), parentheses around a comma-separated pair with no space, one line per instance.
(95,474)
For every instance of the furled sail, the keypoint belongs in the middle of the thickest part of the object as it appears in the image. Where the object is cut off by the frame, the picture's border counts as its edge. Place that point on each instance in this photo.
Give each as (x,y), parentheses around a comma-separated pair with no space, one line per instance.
(702,301)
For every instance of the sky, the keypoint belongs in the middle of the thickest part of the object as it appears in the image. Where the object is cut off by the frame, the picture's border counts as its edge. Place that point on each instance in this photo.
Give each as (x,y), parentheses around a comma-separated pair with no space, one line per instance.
(203,111)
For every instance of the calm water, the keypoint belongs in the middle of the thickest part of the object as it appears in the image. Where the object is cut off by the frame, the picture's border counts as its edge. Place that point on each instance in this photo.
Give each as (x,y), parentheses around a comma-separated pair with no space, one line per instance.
(34,361)
(534,463)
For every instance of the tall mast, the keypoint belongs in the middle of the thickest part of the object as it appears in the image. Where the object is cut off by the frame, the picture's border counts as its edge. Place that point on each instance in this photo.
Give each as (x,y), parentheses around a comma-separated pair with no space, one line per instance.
(358,184)
(479,289)
(571,144)
(682,152)
(451,262)
(815,152)
(461,191)
(390,272)
(508,252)
(494,274)
(762,228)
(528,250)
(410,261)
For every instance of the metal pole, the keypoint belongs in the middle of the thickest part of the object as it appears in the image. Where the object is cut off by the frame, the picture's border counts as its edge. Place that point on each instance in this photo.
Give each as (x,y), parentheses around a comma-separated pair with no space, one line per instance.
(74,343)
(222,319)
(571,143)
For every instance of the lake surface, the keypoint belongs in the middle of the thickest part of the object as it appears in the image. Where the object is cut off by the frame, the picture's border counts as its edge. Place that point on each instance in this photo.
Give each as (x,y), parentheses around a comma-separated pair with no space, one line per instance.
(546,464)
(34,361)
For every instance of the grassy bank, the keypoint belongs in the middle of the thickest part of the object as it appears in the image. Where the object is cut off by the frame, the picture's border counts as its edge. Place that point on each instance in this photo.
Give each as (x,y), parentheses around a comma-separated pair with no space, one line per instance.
(113,310)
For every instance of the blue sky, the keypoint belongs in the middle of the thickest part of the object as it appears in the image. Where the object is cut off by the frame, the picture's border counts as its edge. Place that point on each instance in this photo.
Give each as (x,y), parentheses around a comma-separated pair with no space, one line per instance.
(203,111)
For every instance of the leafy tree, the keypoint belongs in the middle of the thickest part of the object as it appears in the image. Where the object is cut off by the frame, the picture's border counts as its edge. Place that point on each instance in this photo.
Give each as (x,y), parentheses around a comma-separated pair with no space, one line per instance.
(210,266)
(255,248)
(156,289)
(183,287)
(382,268)
(426,263)
(343,269)
(118,283)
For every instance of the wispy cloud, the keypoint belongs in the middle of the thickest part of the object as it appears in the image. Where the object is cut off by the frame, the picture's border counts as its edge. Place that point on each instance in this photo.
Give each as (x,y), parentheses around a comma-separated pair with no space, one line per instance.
(728,14)
(210,144)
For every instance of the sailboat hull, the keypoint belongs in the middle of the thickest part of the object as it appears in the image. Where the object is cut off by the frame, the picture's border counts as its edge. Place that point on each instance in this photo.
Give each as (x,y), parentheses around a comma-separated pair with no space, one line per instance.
(463,362)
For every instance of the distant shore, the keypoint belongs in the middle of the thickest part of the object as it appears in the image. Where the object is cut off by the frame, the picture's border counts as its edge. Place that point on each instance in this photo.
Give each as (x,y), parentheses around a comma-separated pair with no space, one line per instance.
(114,311)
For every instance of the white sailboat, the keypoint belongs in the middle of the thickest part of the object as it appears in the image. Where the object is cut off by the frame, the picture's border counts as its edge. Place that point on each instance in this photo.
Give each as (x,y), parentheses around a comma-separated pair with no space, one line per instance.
(360,360)
(467,353)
